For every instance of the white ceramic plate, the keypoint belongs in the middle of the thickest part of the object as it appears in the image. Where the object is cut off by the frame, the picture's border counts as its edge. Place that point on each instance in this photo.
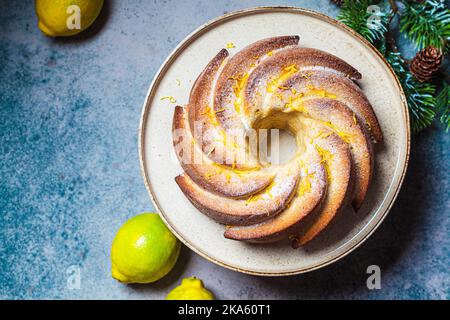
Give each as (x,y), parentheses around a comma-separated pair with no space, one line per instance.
(175,78)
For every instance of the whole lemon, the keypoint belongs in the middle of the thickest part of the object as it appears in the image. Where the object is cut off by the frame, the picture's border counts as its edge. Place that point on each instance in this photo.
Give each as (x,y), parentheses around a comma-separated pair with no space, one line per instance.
(144,250)
(58,18)
(190,289)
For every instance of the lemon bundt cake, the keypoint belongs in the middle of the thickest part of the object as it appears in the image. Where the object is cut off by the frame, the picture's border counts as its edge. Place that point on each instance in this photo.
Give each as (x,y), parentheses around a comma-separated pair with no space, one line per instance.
(274,83)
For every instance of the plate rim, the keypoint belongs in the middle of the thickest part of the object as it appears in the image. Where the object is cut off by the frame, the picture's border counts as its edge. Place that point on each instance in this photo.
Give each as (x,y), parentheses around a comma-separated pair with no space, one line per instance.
(196,34)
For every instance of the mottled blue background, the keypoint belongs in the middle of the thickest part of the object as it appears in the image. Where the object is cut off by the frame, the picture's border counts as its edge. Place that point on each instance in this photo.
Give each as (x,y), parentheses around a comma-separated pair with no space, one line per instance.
(69,168)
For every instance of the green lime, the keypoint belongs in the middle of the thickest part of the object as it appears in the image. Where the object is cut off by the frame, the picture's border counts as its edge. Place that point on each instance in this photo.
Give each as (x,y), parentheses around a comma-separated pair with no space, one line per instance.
(144,250)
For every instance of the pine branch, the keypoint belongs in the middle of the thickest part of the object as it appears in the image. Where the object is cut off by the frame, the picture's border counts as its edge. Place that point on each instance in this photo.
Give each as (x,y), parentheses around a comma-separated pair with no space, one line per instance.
(426,23)
(420,96)
(443,105)
(372,26)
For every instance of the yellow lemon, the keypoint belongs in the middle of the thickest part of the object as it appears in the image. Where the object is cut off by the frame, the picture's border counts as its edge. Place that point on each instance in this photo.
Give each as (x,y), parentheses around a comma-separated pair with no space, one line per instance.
(190,289)
(58,18)
(144,250)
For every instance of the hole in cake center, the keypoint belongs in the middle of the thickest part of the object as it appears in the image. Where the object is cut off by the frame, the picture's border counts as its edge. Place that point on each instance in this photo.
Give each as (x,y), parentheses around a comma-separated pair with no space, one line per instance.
(277,146)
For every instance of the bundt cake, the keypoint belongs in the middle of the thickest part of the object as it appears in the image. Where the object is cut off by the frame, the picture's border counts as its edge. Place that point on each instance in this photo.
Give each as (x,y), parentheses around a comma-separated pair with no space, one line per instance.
(275,83)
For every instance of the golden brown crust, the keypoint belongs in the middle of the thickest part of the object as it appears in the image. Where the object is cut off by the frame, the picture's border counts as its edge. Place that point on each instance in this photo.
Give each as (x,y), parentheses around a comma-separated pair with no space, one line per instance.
(206,173)
(302,60)
(203,119)
(200,95)
(308,199)
(337,116)
(275,83)
(237,68)
(255,209)
(340,185)
(343,89)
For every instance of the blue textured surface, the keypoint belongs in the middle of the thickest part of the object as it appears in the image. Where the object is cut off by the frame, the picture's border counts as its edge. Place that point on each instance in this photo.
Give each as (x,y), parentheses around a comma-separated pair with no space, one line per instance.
(69,168)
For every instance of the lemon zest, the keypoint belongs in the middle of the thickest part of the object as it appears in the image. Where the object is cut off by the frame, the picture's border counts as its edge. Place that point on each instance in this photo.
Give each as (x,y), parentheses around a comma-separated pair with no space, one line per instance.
(313,91)
(347,137)
(221,168)
(237,89)
(327,157)
(241,171)
(321,135)
(170,98)
(209,175)
(296,103)
(305,184)
(286,72)
(252,198)
(257,196)
(226,141)
(307,75)
(210,113)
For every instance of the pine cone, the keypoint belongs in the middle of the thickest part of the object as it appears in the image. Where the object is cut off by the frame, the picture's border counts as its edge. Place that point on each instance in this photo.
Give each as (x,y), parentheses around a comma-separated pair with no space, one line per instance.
(338,2)
(426,63)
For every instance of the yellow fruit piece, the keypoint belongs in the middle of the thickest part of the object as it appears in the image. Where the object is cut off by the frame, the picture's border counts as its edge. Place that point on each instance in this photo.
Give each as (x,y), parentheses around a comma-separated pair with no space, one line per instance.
(58,18)
(190,289)
(144,250)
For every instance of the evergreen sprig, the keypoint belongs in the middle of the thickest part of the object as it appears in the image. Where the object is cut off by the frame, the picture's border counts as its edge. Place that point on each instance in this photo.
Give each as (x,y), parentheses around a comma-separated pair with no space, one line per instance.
(426,24)
(443,105)
(355,15)
(420,96)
